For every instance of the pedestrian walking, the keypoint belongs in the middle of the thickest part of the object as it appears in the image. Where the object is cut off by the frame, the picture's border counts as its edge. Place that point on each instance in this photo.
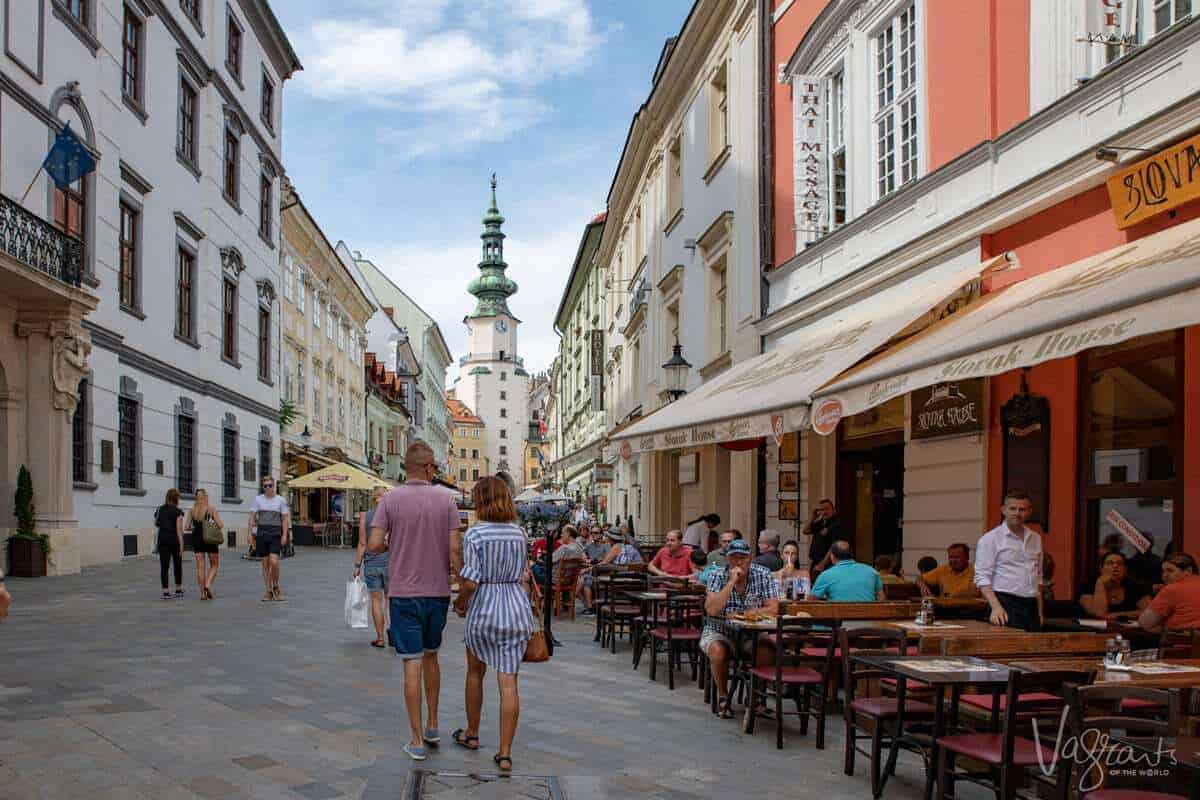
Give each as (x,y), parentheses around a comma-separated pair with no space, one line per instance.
(270,525)
(419,521)
(374,570)
(499,619)
(208,556)
(169,521)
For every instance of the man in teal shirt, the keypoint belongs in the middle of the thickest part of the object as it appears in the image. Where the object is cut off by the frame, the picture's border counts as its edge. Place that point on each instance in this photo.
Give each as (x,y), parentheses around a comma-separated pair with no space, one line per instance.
(848,581)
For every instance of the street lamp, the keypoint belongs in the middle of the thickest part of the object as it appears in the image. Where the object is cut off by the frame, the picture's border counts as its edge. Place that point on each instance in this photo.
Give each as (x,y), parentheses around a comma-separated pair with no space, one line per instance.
(306,437)
(677,372)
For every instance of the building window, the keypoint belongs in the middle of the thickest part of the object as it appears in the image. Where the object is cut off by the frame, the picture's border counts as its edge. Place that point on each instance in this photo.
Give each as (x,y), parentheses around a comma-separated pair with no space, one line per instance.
(267,101)
(341,338)
(185,326)
(720,306)
(127,442)
(131,57)
(128,257)
(462,474)
(329,402)
(504,412)
(70,209)
(301,388)
(503,395)
(675,177)
(192,9)
(462,452)
(264,344)
(185,454)
(330,322)
(185,135)
(718,112)
(287,278)
(475,435)
(504,433)
(341,415)
(836,106)
(231,161)
(289,369)
(229,478)
(318,305)
(503,376)
(474,454)
(1168,12)
(264,458)
(265,206)
(316,397)
(475,474)
(533,473)
(77,9)
(229,302)
(233,47)
(80,457)
(896,153)
(503,449)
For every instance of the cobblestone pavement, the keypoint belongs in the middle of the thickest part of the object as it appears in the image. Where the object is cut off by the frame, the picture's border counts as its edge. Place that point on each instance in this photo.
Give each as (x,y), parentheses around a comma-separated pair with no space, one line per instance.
(106,691)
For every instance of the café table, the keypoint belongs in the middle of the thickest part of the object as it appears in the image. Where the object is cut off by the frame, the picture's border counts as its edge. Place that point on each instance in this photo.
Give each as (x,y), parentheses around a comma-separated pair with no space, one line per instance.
(928,638)
(1184,751)
(940,673)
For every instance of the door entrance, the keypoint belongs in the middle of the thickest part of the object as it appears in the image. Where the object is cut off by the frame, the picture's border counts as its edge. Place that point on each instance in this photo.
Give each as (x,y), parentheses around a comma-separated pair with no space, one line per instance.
(871,499)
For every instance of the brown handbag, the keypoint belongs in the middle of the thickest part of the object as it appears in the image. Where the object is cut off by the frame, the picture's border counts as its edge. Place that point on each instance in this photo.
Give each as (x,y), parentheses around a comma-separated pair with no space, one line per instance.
(536,650)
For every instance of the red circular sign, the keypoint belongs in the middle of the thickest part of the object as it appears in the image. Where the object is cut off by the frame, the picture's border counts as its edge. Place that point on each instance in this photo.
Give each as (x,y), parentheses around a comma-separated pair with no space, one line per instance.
(826,416)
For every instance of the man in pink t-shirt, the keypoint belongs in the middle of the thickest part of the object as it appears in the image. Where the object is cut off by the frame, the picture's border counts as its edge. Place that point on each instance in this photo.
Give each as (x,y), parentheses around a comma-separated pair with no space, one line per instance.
(673,559)
(420,521)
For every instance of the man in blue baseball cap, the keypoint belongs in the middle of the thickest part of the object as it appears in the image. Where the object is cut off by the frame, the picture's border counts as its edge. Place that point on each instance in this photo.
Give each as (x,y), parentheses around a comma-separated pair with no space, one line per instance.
(741,585)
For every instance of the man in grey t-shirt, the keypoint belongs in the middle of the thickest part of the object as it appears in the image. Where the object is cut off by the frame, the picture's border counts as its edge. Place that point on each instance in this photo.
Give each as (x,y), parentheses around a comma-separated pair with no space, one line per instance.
(270,525)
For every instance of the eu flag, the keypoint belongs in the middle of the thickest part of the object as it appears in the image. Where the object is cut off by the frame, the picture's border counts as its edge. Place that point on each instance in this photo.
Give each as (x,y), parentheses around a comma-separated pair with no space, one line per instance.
(541,459)
(68,160)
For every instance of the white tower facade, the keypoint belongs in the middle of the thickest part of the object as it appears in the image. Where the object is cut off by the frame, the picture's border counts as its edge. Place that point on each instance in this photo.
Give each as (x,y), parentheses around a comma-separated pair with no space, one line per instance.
(492,378)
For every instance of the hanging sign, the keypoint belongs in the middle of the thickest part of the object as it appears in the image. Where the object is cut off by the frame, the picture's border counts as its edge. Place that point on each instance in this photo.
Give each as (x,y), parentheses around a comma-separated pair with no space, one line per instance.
(948,409)
(1157,184)
(1127,530)
(810,159)
(596,362)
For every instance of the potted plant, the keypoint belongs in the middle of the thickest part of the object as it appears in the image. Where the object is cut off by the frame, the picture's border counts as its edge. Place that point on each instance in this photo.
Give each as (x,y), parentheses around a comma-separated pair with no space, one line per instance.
(27,549)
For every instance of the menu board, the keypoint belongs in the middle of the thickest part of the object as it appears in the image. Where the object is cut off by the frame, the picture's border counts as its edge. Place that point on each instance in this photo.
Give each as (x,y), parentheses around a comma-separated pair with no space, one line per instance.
(948,409)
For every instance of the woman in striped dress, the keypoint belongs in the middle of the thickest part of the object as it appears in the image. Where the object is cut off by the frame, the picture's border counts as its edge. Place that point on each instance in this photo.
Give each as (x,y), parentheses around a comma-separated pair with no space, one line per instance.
(499,619)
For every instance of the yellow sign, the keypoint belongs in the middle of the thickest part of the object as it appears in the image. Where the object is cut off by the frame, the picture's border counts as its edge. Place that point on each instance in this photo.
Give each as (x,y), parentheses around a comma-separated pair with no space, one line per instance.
(1164,181)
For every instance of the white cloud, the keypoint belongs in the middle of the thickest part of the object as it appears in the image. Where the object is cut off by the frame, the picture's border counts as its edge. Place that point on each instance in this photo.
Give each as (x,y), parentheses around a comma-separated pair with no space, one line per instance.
(455,73)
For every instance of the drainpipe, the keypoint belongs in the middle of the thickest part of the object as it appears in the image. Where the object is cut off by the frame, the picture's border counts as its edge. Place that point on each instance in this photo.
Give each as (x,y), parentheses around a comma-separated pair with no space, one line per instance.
(766,209)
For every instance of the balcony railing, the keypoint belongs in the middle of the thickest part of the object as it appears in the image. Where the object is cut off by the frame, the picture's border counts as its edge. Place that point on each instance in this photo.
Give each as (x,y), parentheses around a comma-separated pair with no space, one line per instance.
(503,356)
(36,243)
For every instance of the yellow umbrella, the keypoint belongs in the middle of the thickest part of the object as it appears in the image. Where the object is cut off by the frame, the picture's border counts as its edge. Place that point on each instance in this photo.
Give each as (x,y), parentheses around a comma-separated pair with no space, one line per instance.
(338,476)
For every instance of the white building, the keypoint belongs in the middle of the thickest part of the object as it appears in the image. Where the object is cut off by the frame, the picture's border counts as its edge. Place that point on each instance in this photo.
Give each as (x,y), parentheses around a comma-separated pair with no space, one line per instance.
(400,315)
(680,255)
(493,381)
(180,103)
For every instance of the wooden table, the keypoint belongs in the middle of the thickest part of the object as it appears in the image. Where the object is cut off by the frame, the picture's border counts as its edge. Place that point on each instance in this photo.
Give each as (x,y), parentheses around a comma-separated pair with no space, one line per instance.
(1112,677)
(929,637)
(973,672)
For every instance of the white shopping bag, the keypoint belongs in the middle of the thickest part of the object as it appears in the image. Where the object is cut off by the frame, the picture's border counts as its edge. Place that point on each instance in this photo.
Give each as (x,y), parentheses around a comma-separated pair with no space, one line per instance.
(357,600)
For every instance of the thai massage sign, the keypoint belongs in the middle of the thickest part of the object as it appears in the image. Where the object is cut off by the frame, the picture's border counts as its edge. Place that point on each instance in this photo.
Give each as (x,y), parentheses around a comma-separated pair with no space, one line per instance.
(1157,184)
(810,163)
(947,409)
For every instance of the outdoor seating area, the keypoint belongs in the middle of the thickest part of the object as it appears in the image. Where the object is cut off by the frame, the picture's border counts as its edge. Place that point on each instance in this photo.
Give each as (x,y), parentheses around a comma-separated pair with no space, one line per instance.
(959,695)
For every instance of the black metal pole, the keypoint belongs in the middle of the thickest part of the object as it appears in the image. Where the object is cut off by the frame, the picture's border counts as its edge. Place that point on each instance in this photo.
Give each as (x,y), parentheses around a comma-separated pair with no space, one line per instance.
(548,595)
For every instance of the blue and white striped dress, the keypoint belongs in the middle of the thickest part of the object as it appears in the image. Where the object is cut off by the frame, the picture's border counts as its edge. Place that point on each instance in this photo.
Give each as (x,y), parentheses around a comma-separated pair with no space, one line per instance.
(499,621)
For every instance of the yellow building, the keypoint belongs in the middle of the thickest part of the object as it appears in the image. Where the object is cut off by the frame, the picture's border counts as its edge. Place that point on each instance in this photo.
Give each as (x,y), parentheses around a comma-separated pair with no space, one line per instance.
(468,445)
(324,339)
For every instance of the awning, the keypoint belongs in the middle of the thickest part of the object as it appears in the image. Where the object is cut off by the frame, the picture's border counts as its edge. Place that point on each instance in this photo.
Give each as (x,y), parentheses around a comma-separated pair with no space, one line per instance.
(770,393)
(1148,286)
(338,476)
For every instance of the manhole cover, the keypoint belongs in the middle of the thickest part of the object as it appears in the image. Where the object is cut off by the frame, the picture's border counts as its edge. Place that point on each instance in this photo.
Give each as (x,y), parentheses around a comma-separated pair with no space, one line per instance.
(481,786)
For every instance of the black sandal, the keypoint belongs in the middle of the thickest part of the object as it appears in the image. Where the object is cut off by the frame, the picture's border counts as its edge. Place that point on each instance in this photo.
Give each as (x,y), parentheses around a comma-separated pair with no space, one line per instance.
(465,741)
(500,762)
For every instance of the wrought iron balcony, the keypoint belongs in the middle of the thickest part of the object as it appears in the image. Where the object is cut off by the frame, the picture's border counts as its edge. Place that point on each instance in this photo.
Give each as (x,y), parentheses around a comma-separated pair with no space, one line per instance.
(36,243)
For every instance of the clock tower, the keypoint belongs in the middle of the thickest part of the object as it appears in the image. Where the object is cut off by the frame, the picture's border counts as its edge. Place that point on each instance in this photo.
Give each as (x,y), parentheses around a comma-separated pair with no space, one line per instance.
(492,378)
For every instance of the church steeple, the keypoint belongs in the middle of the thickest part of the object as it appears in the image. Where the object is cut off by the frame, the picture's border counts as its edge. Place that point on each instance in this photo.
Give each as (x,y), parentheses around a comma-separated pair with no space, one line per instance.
(492,287)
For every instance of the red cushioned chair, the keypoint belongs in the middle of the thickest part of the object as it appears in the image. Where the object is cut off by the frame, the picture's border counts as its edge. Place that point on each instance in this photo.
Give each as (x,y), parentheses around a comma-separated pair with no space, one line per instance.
(1005,755)
(1098,710)
(677,636)
(872,714)
(788,675)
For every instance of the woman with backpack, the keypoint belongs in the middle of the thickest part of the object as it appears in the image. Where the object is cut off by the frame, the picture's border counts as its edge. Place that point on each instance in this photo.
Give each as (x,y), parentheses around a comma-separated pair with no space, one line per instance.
(169,521)
(204,515)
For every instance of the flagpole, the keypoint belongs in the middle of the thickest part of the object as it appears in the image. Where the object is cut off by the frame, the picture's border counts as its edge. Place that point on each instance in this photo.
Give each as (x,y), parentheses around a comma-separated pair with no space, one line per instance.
(32,181)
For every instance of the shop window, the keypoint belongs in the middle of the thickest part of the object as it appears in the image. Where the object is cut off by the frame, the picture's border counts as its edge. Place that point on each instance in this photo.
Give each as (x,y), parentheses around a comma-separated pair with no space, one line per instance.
(1130,460)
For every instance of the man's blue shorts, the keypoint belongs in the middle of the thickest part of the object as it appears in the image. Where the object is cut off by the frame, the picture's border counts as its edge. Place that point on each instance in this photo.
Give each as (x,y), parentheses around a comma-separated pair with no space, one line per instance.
(417,624)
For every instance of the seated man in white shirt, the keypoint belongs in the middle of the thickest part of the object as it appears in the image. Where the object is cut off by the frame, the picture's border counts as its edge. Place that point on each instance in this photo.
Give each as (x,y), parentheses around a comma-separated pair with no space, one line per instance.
(1008,566)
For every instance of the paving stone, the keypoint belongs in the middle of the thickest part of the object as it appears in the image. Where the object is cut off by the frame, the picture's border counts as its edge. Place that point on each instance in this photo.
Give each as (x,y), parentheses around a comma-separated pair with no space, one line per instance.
(317,791)
(255,762)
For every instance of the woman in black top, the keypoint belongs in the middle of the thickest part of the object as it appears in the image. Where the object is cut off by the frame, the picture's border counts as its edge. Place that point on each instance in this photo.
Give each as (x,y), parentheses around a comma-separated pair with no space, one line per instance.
(169,519)
(202,550)
(1115,593)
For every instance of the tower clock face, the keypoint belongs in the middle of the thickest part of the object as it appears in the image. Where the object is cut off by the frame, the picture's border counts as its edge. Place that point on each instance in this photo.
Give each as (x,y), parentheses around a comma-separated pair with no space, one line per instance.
(501,326)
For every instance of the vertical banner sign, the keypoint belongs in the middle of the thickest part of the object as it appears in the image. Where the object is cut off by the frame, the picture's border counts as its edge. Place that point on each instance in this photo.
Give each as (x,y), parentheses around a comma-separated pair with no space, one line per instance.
(1110,30)
(597,369)
(810,159)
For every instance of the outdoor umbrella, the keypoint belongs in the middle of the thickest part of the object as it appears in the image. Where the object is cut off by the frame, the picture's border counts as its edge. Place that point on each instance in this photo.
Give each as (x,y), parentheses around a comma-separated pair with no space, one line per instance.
(530,495)
(340,476)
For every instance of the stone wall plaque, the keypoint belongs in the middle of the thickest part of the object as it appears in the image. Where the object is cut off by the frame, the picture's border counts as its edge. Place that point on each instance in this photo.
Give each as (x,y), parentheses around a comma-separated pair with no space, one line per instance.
(948,409)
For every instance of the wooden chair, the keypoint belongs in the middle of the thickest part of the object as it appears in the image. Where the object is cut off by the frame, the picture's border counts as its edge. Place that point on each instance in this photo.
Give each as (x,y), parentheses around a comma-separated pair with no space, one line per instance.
(788,674)
(615,613)
(1017,646)
(1095,710)
(566,583)
(872,713)
(1005,755)
(901,591)
(677,634)
(1179,644)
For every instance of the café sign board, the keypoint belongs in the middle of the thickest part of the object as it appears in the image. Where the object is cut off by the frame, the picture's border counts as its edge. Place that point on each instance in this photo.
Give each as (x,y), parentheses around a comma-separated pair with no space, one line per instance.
(1154,185)
(948,409)
(810,159)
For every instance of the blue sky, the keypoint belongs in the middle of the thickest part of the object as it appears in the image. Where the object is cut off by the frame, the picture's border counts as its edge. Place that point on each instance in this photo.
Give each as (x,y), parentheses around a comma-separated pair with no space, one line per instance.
(406,107)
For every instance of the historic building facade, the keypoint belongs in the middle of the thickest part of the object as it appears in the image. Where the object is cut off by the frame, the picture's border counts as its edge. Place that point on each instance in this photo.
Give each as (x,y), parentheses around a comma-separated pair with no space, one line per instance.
(324,340)
(403,319)
(388,417)
(492,380)
(468,446)
(178,230)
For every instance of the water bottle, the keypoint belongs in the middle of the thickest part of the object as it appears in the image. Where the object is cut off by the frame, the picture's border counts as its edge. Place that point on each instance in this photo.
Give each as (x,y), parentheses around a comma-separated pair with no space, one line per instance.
(1126,650)
(1111,652)
(788,589)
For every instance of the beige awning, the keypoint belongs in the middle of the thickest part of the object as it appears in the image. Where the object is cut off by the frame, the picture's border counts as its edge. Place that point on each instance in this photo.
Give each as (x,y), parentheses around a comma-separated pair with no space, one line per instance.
(338,476)
(771,393)
(1147,286)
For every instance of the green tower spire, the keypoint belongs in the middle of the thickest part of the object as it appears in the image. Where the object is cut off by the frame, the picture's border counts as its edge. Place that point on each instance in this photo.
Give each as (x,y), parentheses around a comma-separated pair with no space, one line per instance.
(492,287)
